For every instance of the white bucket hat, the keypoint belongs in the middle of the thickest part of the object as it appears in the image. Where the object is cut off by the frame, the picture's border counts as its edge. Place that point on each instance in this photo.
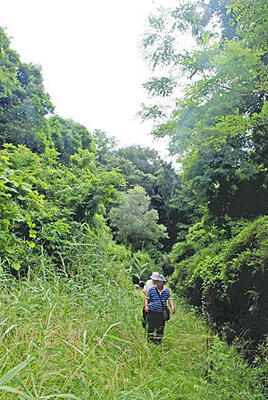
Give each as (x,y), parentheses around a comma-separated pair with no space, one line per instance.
(160,278)
(154,276)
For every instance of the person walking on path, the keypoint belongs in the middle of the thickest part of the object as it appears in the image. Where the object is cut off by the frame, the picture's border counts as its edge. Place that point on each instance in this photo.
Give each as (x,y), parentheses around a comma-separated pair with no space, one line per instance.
(150,283)
(154,304)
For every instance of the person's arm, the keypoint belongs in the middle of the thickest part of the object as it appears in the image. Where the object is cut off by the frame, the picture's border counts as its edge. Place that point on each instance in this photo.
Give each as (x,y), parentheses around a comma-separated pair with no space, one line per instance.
(170,302)
(146,302)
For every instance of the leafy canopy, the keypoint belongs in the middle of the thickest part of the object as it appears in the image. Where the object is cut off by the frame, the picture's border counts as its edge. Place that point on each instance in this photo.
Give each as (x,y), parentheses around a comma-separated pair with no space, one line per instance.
(217,113)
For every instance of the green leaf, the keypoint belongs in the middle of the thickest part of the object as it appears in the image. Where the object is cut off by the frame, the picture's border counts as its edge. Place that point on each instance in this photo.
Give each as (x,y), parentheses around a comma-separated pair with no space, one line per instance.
(13,390)
(13,372)
(16,266)
(61,396)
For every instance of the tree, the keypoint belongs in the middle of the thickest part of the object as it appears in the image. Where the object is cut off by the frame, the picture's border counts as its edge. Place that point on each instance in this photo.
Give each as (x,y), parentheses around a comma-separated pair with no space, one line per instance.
(23,101)
(218,125)
(105,147)
(68,137)
(144,167)
(135,224)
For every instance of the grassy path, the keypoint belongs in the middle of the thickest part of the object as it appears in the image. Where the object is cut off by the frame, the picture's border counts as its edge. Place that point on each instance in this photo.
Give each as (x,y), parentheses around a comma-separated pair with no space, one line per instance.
(86,342)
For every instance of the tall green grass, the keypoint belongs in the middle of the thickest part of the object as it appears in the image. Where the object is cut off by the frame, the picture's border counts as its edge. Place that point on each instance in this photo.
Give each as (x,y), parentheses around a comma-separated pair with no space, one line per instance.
(79,338)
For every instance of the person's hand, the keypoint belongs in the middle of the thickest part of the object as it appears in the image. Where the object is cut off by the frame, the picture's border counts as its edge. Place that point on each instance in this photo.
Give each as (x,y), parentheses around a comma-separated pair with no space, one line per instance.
(146,308)
(173,310)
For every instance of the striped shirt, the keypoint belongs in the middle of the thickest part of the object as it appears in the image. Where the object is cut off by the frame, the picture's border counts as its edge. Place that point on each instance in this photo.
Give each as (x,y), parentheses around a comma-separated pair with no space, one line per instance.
(154,300)
(148,285)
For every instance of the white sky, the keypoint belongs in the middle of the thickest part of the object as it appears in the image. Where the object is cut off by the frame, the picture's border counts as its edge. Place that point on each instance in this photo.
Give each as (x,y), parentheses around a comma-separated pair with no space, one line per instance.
(90,58)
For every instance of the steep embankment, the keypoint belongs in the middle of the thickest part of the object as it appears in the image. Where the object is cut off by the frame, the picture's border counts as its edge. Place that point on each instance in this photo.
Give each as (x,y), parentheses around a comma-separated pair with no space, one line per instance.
(229,278)
(85,339)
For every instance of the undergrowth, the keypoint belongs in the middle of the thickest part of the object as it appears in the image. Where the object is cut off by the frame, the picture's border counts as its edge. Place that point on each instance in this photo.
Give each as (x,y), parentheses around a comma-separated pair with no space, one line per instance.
(79,338)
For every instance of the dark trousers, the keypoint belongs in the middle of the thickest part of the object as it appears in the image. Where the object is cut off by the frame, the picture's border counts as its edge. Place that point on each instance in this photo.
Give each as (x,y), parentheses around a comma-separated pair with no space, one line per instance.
(156,327)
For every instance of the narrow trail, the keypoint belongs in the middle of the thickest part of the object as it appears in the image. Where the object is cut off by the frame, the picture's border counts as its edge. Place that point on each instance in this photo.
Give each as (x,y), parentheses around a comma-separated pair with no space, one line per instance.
(182,356)
(66,340)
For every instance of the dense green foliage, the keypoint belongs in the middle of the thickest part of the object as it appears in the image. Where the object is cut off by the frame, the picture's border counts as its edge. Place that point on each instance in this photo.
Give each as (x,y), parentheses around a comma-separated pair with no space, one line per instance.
(51,189)
(23,102)
(218,128)
(44,204)
(81,338)
(69,137)
(144,167)
(227,277)
(212,104)
(65,193)
(135,224)
(56,185)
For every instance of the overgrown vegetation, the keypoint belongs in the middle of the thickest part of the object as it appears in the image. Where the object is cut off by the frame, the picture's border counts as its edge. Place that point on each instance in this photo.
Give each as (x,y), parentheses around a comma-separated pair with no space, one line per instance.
(70,315)
(228,279)
(211,102)
(81,338)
